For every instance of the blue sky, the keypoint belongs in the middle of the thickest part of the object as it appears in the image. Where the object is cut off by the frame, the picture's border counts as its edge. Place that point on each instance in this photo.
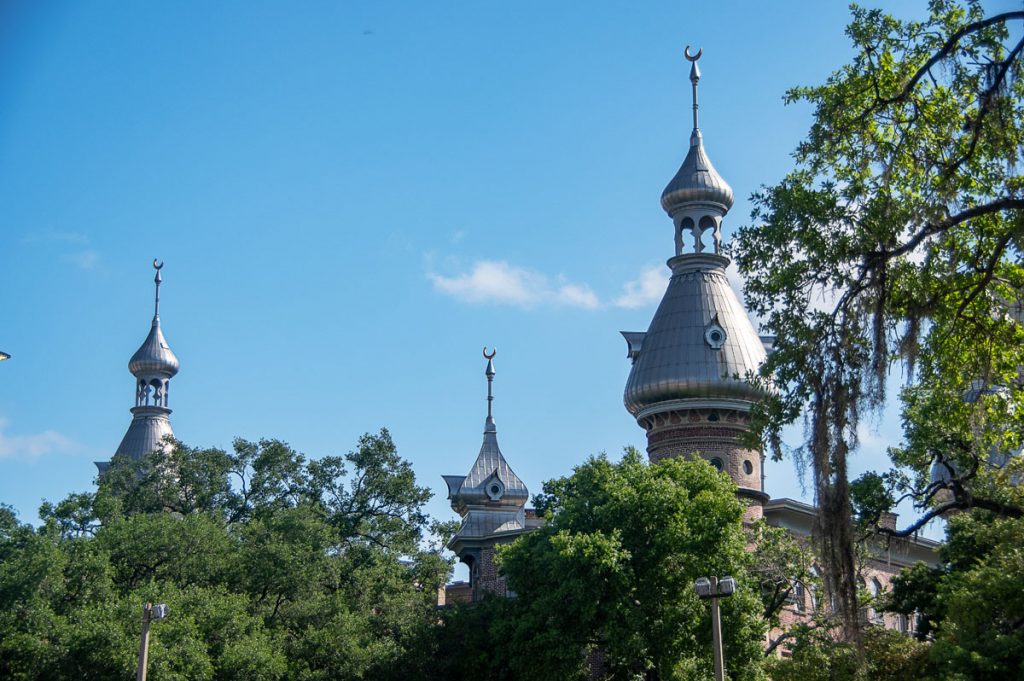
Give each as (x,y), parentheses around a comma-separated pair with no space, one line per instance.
(351,200)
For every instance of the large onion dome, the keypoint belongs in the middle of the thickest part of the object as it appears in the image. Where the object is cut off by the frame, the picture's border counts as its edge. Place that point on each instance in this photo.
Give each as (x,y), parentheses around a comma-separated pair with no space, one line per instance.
(700,344)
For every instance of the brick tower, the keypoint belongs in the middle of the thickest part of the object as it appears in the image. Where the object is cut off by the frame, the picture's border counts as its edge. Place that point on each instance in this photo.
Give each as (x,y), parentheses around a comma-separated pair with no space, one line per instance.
(687,387)
(491,501)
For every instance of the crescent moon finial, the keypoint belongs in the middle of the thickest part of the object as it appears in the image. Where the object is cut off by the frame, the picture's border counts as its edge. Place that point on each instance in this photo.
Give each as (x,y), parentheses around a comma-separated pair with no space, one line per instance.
(158,267)
(686,53)
(493,353)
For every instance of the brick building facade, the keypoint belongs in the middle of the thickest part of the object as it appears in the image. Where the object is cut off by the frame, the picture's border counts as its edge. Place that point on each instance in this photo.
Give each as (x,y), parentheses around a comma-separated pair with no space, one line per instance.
(692,385)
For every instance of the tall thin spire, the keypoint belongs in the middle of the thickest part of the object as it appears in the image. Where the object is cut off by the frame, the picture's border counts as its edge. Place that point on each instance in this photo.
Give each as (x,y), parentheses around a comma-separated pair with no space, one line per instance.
(694,79)
(490,427)
(696,198)
(157,279)
(153,365)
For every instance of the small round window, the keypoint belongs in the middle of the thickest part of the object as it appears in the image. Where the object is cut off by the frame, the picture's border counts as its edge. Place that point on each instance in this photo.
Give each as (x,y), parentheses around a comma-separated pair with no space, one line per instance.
(748,467)
(717,463)
(495,489)
(715,336)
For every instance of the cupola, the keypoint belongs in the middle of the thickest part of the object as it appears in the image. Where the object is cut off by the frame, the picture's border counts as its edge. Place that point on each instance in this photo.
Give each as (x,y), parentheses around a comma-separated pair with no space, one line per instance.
(153,365)
(690,386)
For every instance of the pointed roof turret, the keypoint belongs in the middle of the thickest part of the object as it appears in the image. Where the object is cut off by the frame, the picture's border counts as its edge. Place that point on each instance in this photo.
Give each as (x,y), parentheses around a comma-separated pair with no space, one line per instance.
(697,180)
(153,366)
(491,497)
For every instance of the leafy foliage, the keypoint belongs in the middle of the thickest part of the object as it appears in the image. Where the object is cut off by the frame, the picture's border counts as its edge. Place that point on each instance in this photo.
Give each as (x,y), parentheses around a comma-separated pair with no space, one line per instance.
(784,569)
(273,567)
(612,572)
(972,605)
(885,656)
(896,239)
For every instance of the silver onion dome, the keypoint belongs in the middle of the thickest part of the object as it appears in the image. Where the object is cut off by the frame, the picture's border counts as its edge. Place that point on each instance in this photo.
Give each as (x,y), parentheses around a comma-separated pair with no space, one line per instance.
(696,181)
(153,365)
(700,344)
(154,356)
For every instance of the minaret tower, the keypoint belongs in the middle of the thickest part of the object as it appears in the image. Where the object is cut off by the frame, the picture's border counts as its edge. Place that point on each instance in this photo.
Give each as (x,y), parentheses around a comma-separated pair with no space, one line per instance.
(153,366)
(688,386)
(491,501)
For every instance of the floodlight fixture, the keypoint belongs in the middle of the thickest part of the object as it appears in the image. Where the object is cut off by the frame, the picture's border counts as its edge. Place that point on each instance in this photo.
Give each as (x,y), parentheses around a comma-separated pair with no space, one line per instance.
(150,612)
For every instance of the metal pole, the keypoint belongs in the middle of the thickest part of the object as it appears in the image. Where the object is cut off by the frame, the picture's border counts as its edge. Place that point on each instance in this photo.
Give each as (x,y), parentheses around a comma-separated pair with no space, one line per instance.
(140,674)
(716,632)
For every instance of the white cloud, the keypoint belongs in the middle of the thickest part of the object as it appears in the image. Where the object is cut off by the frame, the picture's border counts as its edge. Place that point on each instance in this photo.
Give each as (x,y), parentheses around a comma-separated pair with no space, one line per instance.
(32,446)
(86,260)
(493,281)
(500,282)
(54,235)
(646,289)
(577,295)
(876,437)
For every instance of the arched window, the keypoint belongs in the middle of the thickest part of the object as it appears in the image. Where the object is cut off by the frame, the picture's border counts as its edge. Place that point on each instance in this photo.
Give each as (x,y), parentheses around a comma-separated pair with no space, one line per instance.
(799,596)
(686,226)
(864,612)
(158,392)
(473,572)
(708,224)
(876,589)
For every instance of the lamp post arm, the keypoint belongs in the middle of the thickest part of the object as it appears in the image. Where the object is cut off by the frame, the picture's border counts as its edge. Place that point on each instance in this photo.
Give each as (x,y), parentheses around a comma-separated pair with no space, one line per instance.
(716,632)
(140,673)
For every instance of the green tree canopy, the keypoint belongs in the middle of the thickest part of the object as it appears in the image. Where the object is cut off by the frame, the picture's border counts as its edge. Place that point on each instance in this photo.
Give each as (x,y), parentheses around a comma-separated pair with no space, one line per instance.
(273,566)
(897,239)
(971,606)
(612,573)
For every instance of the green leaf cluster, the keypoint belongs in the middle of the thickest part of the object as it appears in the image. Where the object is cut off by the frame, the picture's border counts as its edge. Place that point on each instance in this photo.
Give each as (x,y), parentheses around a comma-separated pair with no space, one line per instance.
(886,655)
(273,567)
(895,244)
(971,606)
(609,578)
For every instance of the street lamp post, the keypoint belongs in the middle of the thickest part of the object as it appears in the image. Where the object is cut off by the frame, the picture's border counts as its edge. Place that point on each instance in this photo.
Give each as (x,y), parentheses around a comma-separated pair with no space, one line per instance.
(712,588)
(150,612)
